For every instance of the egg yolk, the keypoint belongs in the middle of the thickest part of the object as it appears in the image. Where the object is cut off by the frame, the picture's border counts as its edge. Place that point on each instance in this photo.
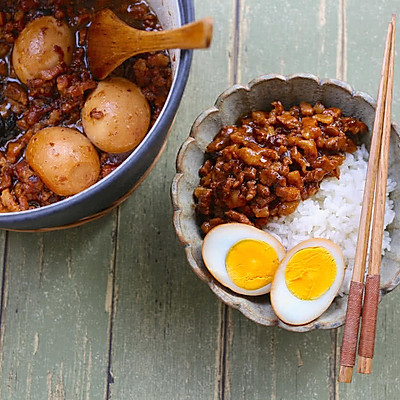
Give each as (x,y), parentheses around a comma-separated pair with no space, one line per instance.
(251,264)
(310,273)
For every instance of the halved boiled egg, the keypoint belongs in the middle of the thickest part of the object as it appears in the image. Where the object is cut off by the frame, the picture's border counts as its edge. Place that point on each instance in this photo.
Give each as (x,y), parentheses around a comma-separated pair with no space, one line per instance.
(242,257)
(307,281)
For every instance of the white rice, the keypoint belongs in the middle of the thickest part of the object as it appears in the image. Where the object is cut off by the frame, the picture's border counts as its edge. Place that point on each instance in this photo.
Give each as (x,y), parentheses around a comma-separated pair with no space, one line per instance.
(334,213)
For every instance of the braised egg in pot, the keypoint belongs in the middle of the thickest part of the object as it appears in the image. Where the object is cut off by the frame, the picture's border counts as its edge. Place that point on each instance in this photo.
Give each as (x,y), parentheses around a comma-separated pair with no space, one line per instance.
(116,115)
(41,46)
(64,159)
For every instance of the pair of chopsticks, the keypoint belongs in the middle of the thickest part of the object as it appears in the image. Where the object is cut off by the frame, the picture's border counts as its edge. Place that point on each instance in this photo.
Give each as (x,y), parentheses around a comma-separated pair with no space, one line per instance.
(375,186)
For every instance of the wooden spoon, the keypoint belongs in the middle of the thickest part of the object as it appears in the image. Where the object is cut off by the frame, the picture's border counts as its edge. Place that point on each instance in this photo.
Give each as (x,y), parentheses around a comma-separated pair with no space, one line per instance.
(111,41)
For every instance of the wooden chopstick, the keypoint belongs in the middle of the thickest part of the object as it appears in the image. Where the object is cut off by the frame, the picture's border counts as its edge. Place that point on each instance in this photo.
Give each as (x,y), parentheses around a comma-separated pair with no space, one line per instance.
(371,296)
(353,313)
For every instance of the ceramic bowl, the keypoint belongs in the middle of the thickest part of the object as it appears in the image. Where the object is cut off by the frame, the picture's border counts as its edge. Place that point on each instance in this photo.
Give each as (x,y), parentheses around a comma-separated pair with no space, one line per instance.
(114,188)
(231,105)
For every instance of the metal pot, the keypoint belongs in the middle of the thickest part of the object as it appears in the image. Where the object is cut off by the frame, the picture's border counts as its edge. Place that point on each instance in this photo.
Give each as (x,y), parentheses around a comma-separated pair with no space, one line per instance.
(113,189)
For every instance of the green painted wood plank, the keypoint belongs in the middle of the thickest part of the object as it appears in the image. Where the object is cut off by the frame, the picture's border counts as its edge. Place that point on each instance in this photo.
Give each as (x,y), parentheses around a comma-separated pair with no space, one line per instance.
(275,364)
(269,362)
(364,58)
(166,324)
(55,320)
(288,37)
(365,46)
(384,382)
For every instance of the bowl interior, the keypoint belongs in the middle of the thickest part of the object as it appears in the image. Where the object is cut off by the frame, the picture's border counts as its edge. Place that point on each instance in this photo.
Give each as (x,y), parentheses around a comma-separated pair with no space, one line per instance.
(234,103)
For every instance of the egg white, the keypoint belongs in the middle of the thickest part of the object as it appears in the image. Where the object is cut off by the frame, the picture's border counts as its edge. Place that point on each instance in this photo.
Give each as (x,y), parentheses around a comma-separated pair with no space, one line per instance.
(220,239)
(289,308)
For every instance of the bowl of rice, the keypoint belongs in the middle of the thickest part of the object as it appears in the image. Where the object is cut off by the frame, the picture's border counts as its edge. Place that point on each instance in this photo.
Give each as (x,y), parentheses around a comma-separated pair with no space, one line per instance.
(331,212)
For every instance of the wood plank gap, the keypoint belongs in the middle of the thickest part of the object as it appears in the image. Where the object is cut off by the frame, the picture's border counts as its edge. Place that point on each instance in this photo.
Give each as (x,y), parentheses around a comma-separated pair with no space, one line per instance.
(41,254)
(341,60)
(112,305)
(341,73)
(338,344)
(3,285)
(3,299)
(222,353)
(344,47)
(333,382)
(225,327)
(272,350)
(236,42)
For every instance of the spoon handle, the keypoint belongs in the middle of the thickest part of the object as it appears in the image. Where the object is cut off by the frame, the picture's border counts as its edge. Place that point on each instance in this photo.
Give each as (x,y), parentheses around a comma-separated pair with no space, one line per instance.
(196,35)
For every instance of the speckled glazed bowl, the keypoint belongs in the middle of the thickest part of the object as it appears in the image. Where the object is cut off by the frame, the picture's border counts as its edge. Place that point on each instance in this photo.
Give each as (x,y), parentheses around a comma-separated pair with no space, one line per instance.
(234,103)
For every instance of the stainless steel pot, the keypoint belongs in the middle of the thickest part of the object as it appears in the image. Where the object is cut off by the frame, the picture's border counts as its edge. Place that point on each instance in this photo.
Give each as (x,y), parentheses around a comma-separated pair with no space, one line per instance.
(110,191)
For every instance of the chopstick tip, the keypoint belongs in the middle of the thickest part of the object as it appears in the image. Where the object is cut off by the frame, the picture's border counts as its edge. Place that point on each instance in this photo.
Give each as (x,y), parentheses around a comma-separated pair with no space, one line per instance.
(345,374)
(364,365)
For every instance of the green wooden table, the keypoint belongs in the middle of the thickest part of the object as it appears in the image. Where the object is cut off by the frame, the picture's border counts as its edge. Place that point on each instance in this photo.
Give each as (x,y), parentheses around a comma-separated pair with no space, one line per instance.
(111,310)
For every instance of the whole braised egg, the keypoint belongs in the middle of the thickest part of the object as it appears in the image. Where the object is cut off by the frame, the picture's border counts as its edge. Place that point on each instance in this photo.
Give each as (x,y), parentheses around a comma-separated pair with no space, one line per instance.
(116,115)
(43,43)
(64,159)
(307,281)
(242,257)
